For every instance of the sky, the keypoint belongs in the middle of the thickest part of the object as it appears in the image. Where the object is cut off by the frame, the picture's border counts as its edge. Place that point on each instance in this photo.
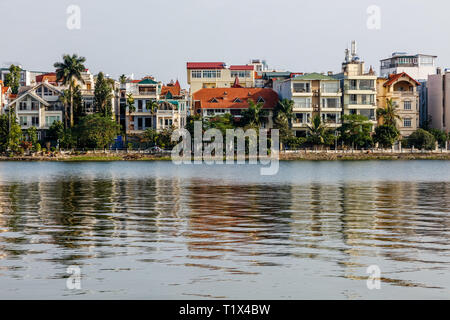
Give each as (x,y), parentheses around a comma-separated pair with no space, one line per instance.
(157,37)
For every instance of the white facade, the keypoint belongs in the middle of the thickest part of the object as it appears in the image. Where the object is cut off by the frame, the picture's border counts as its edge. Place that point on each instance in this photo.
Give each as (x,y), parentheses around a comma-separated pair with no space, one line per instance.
(418,66)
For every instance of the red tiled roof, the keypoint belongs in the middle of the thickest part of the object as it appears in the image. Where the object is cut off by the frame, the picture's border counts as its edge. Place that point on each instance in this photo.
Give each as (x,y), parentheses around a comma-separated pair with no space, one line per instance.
(174,89)
(4,89)
(395,77)
(226,97)
(241,67)
(206,65)
(51,77)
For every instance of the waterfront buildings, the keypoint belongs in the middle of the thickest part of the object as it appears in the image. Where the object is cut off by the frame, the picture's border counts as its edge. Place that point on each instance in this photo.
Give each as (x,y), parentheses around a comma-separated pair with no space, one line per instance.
(419,67)
(217,101)
(313,94)
(358,86)
(403,90)
(439,100)
(155,106)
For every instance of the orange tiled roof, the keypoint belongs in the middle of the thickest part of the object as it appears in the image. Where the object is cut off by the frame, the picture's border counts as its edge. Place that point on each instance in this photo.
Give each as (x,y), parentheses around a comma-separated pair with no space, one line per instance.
(395,77)
(50,77)
(4,89)
(228,98)
(174,89)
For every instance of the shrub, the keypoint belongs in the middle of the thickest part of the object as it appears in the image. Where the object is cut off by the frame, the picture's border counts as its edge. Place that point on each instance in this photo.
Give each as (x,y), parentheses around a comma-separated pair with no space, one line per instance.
(422,139)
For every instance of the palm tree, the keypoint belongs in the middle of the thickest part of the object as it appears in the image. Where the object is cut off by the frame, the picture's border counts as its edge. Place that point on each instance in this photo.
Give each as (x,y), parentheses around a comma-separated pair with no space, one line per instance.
(130,105)
(317,131)
(254,113)
(285,107)
(389,114)
(65,99)
(153,107)
(67,71)
(123,79)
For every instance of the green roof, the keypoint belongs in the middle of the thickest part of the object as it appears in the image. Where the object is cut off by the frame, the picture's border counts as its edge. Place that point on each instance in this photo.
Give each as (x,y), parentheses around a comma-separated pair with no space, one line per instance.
(313,76)
(147,81)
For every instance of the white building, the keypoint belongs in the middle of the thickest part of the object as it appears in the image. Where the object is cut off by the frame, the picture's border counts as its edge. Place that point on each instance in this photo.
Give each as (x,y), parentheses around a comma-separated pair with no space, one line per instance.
(38,107)
(419,67)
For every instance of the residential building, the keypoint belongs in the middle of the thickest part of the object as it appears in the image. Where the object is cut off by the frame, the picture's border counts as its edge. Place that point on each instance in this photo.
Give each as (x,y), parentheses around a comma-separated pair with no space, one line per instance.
(217,101)
(417,66)
(38,107)
(313,94)
(217,75)
(27,78)
(439,100)
(5,93)
(171,105)
(358,86)
(403,90)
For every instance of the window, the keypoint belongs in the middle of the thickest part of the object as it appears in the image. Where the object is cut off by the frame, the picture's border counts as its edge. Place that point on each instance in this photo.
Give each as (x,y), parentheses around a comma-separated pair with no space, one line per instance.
(148,122)
(366,84)
(139,106)
(50,119)
(237,100)
(35,121)
(330,87)
(260,99)
(214,100)
(300,87)
(22,105)
(23,121)
(407,122)
(196,73)
(407,105)
(353,99)
(240,74)
(330,103)
(211,73)
(302,103)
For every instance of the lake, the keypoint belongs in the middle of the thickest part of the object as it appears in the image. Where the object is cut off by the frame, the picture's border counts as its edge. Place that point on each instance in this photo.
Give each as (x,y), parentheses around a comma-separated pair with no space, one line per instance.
(154,230)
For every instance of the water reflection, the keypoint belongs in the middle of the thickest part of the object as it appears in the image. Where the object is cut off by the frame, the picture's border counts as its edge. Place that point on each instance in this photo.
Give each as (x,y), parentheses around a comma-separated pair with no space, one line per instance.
(213,231)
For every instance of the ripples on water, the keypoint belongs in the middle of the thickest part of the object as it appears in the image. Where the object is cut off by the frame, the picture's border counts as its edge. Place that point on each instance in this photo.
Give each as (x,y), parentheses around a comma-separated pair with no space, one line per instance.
(154,230)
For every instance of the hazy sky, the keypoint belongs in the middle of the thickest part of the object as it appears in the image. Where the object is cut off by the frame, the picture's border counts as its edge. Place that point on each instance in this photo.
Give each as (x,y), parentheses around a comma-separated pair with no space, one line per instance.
(158,37)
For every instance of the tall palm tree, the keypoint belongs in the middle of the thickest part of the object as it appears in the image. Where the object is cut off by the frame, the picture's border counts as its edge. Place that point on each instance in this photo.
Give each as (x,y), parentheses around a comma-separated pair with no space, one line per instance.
(65,99)
(254,113)
(389,115)
(285,107)
(153,107)
(131,106)
(69,71)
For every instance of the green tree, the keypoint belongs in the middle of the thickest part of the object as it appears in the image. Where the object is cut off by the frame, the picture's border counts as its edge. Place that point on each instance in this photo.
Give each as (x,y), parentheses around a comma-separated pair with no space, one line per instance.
(150,136)
(282,124)
(319,134)
(440,135)
(254,114)
(32,137)
(130,105)
(389,115)
(96,131)
(67,71)
(102,96)
(355,131)
(285,108)
(221,122)
(12,79)
(422,139)
(386,135)
(10,132)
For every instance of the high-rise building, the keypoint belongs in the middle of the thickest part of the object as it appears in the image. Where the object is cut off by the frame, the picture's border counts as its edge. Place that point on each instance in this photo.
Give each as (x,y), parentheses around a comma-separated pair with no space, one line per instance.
(439,100)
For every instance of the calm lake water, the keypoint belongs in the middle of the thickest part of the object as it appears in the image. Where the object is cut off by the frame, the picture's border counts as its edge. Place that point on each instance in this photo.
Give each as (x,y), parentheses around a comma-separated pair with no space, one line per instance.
(154,230)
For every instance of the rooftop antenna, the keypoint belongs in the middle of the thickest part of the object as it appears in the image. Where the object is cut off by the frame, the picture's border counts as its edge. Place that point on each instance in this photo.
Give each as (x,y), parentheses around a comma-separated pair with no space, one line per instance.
(353,48)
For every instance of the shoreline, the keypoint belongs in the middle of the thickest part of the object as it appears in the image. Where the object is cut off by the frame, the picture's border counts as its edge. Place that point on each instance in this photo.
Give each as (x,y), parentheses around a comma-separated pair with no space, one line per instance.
(292,156)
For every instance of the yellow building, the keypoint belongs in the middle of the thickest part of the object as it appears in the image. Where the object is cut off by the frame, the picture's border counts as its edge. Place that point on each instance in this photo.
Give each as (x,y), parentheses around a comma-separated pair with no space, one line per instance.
(402,89)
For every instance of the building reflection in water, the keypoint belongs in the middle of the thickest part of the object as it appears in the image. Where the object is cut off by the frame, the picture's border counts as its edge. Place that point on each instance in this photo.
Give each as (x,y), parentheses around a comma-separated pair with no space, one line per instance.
(227,227)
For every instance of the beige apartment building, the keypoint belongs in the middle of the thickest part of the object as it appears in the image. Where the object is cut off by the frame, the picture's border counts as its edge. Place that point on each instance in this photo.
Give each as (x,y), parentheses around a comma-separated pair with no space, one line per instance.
(439,100)
(217,75)
(359,86)
(313,94)
(403,90)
